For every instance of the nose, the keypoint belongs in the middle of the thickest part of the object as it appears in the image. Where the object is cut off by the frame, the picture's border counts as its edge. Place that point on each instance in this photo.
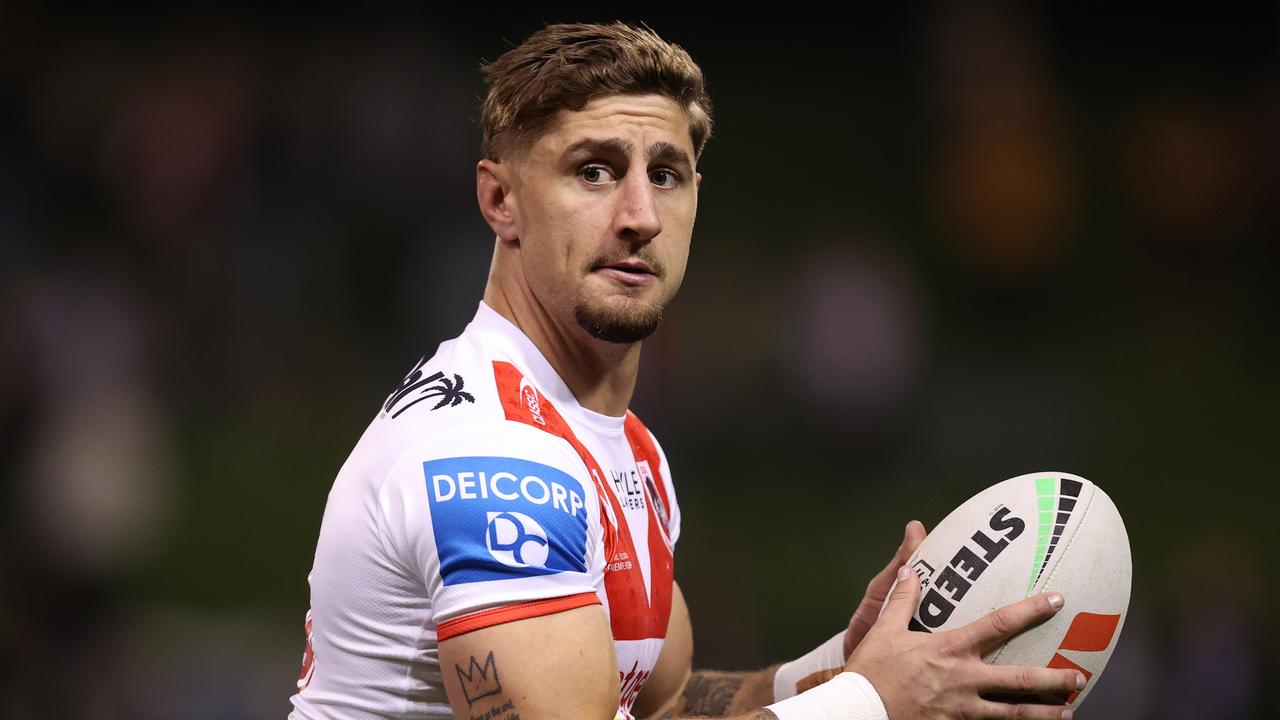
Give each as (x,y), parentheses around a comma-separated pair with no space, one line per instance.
(636,217)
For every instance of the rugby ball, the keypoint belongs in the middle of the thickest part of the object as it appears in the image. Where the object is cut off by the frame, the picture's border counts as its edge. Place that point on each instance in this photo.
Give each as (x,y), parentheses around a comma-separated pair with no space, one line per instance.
(1031,534)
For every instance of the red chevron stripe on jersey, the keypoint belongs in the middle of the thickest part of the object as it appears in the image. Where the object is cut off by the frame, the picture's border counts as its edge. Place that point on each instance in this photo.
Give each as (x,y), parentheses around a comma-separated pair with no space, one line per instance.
(633,615)
(656,500)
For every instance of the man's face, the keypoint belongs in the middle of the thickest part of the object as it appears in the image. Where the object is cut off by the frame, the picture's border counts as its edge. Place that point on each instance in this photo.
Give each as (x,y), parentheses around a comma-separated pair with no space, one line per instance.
(605,204)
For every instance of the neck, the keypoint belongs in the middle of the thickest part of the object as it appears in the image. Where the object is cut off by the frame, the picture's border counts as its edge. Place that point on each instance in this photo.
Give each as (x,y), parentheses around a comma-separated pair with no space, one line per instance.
(601,375)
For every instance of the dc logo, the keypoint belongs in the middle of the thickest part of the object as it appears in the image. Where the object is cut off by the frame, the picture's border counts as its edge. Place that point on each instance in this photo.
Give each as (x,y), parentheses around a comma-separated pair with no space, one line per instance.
(516,540)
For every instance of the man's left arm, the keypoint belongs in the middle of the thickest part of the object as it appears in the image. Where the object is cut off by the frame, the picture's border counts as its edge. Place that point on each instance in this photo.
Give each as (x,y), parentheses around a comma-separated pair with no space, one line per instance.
(719,694)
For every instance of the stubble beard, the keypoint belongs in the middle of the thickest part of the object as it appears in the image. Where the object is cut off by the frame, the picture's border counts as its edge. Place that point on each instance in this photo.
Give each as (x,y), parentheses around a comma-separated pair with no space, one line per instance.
(630,322)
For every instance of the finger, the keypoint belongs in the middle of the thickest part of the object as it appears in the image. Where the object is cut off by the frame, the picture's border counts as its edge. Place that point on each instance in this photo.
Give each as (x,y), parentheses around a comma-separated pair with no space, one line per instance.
(879,586)
(989,631)
(1024,680)
(900,556)
(903,600)
(914,536)
(1025,711)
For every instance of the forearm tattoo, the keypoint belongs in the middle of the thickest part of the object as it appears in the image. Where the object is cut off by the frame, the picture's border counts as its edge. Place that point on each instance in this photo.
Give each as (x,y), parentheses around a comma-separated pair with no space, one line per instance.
(761,714)
(710,693)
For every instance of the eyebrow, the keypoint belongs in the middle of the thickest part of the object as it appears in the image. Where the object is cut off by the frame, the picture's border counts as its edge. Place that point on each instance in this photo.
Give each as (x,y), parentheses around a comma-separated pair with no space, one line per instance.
(670,153)
(620,146)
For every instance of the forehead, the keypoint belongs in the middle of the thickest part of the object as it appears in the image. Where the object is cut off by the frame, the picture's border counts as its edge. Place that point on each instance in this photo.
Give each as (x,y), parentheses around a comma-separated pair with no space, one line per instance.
(645,119)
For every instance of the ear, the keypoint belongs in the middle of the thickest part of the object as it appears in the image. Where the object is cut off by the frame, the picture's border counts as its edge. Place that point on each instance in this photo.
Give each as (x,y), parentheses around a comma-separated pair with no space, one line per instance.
(497,205)
(697,180)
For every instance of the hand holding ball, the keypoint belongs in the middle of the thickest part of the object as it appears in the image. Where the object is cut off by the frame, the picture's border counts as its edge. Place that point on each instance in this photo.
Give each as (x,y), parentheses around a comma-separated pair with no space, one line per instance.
(1035,533)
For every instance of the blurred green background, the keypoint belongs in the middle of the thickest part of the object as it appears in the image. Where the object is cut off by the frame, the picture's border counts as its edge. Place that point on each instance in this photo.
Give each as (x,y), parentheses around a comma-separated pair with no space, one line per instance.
(936,248)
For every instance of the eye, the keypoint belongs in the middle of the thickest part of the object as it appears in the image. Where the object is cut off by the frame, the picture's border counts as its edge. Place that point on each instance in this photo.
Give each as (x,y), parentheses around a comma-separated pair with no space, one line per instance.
(596,174)
(665,178)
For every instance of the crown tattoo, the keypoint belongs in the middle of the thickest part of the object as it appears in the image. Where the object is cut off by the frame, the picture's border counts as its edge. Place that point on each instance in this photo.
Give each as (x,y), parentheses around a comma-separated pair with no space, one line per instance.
(479,681)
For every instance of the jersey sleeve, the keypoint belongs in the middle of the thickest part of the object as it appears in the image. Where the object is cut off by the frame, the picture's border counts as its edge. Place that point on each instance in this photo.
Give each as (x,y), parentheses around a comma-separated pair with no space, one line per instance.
(500,521)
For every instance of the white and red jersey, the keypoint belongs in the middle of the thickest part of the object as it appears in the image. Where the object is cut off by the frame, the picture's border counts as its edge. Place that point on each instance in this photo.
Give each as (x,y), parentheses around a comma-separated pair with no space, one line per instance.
(482,493)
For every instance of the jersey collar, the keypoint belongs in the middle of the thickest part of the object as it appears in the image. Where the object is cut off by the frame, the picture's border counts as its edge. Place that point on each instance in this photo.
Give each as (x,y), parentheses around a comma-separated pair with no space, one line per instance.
(502,334)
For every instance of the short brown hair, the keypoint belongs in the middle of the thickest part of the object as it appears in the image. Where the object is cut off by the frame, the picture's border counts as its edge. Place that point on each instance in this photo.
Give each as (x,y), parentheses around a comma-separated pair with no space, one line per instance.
(564,66)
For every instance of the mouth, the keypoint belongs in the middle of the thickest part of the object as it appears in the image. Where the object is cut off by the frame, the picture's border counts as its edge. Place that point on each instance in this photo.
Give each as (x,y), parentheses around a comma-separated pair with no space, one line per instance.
(631,271)
(631,265)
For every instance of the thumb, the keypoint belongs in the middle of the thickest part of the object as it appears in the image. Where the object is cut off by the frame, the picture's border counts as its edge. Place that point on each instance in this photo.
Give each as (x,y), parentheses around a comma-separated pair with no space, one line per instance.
(903,600)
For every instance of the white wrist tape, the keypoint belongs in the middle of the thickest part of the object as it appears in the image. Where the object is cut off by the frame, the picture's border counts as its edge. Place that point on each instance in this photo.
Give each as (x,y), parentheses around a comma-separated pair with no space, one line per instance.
(827,657)
(847,696)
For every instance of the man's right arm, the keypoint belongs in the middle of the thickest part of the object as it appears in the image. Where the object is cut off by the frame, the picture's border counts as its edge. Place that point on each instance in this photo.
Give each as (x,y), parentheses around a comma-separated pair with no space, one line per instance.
(543,668)
(560,667)
(500,521)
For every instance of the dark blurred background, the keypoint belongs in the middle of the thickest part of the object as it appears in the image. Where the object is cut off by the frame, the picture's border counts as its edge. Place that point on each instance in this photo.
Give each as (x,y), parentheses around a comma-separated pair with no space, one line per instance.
(937,248)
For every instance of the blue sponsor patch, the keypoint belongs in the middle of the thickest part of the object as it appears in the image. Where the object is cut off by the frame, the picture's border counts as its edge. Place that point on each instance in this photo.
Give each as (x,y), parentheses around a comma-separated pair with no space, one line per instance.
(498,517)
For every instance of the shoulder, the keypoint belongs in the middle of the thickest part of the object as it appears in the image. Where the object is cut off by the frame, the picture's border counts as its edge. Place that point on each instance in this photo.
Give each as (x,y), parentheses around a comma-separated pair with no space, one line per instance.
(488,499)
(489,444)
(457,419)
(448,437)
(456,402)
(454,385)
(491,474)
